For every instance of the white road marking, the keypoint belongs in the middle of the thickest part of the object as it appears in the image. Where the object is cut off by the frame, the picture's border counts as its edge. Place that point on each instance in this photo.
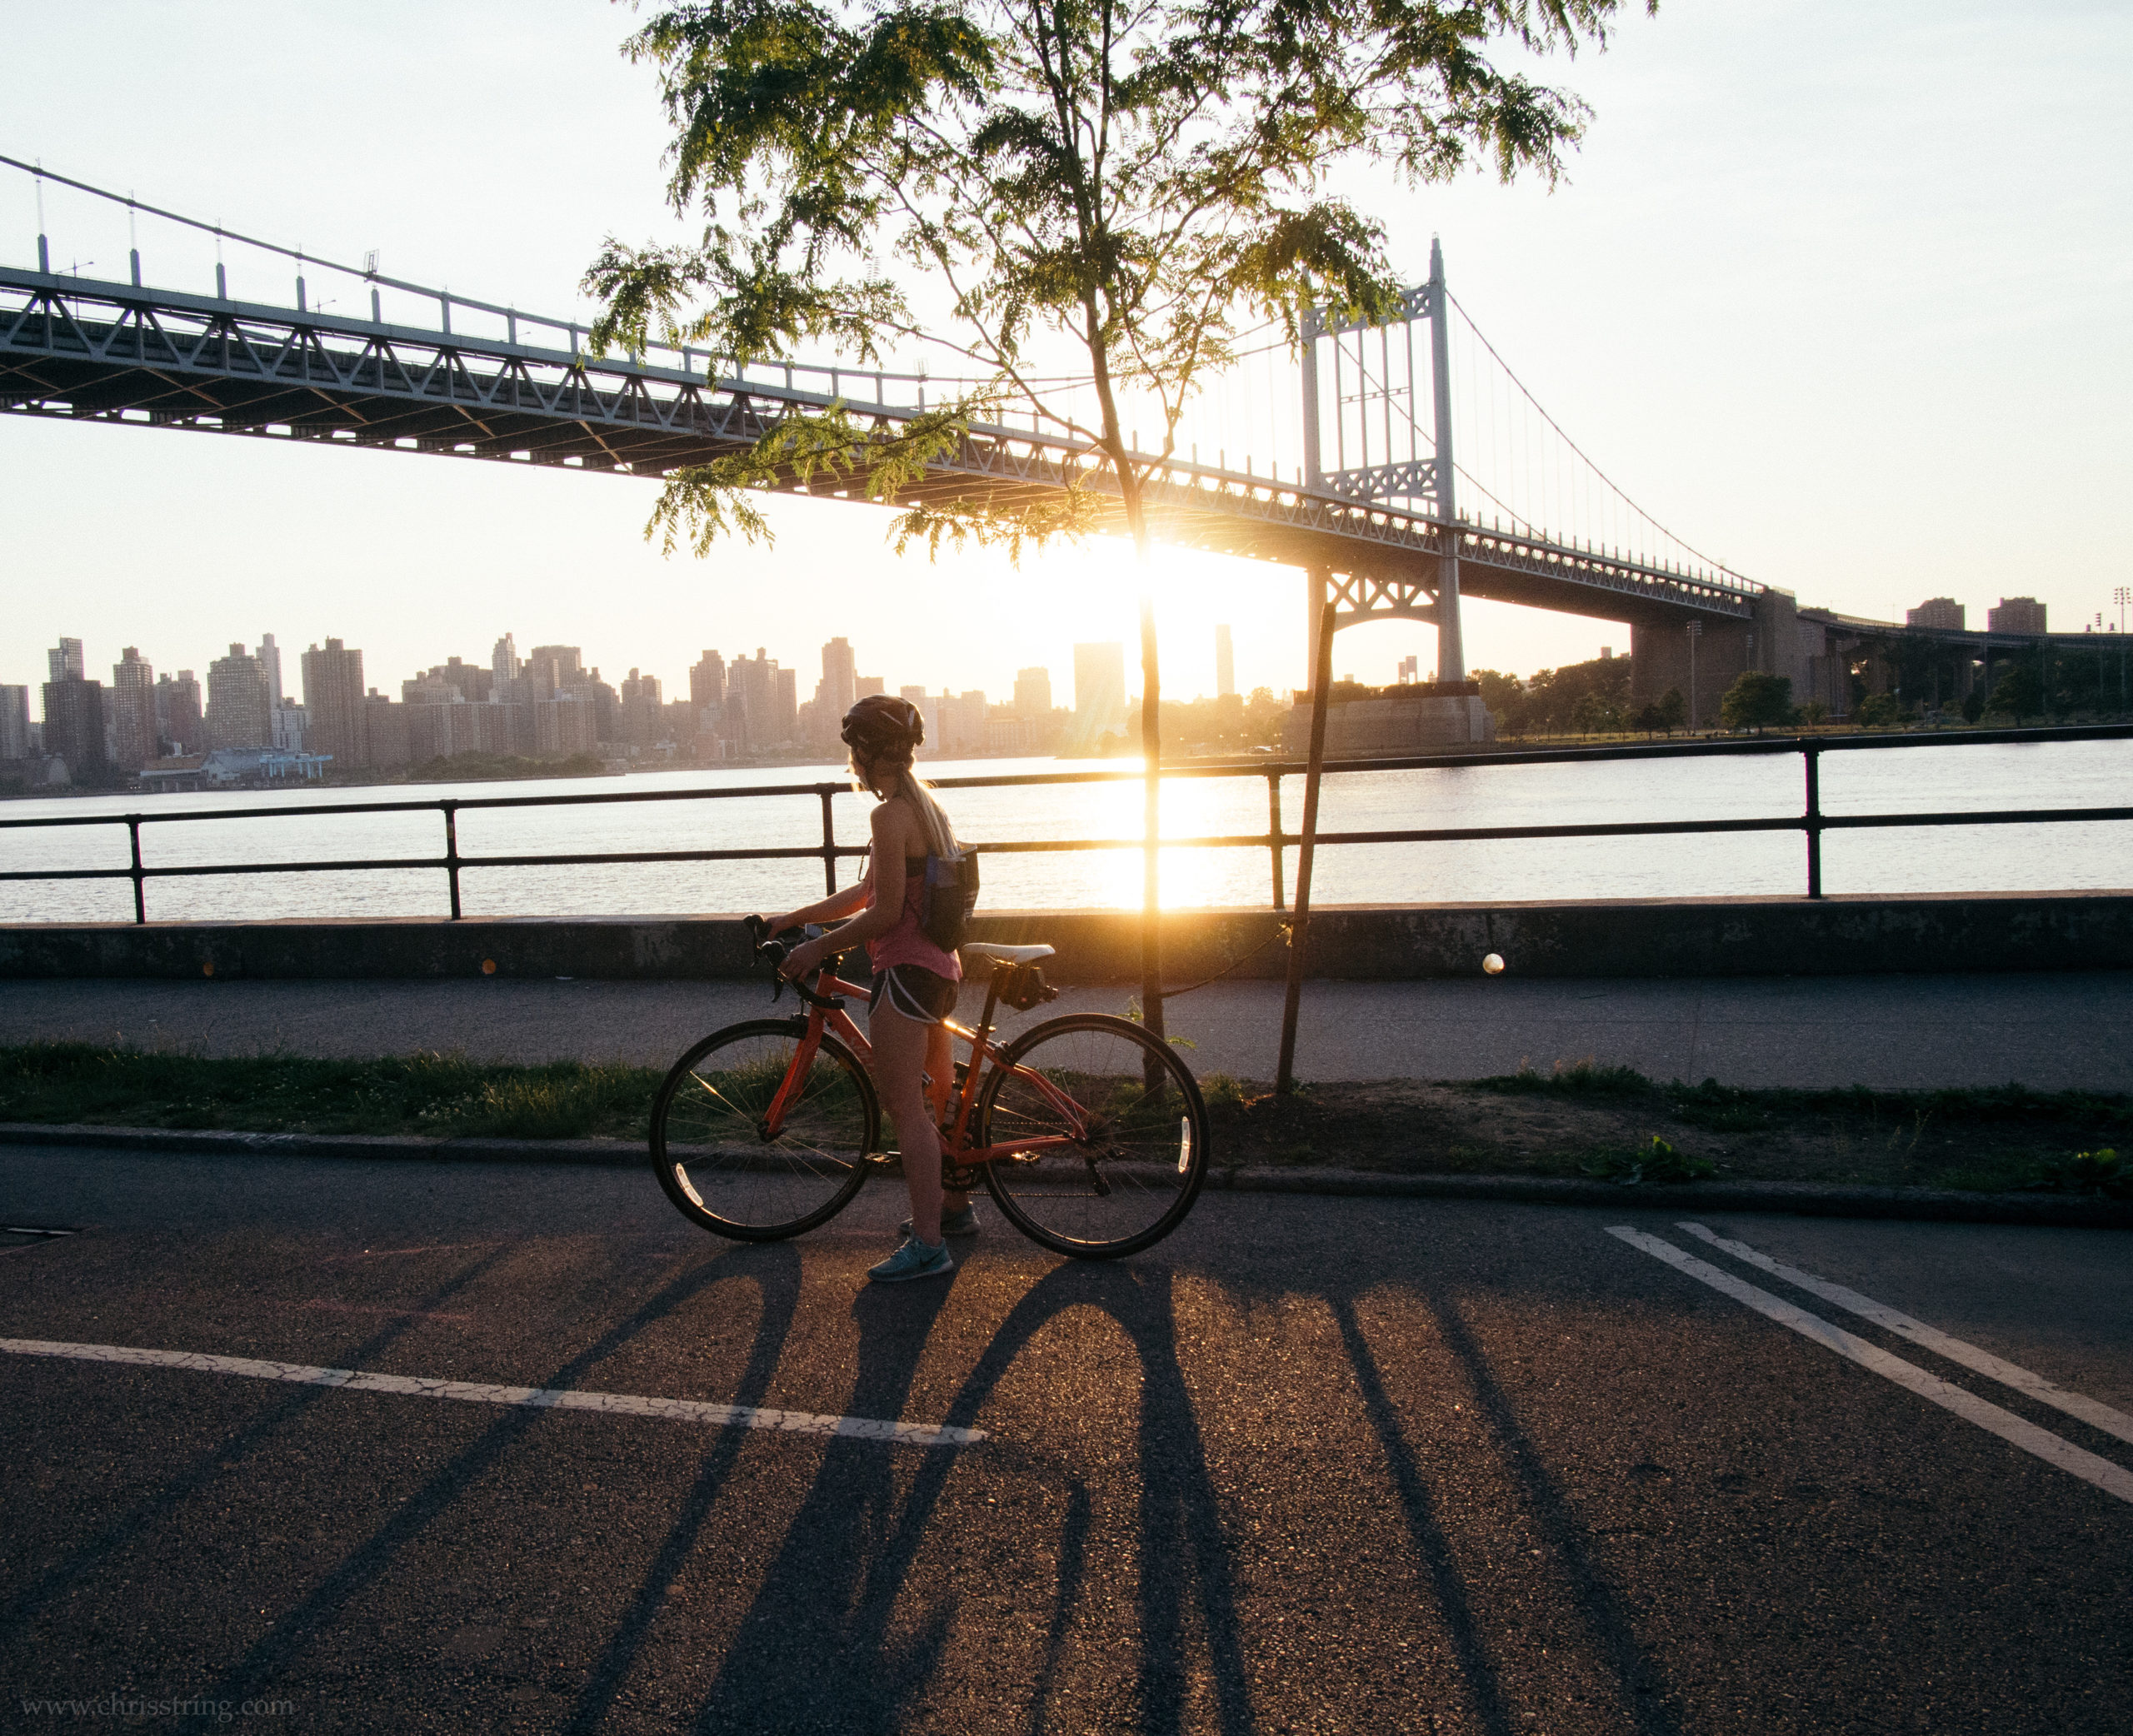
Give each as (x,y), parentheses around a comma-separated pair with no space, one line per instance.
(2113,1478)
(2091,1411)
(538,1398)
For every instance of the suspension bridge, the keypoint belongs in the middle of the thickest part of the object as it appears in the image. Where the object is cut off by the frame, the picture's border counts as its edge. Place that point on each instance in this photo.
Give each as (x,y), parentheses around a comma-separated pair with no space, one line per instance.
(1369,501)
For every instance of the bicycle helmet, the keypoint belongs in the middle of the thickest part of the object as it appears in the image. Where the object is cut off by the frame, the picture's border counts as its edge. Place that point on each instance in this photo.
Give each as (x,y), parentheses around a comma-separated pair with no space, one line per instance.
(883,727)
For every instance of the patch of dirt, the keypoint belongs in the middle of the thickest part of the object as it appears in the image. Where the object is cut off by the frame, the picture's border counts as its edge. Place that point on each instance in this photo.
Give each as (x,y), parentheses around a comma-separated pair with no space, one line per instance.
(1417,1129)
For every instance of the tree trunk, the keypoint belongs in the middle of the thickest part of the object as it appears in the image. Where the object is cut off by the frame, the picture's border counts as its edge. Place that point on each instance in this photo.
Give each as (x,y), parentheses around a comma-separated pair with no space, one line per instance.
(1151,949)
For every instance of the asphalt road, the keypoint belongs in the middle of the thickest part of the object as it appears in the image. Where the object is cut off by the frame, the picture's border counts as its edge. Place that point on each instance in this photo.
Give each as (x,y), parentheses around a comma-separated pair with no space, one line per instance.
(2052,1030)
(1338,1465)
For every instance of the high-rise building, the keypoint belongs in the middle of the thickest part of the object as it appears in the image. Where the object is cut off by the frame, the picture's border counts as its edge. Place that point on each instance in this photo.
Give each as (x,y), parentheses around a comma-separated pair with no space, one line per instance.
(866,686)
(74,716)
(1099,693)
(784,699)
(238,710)
(1225,664)
(1033,693)
(748,703)
(2015,615)
(1936,611)
(179,719)
(14,720)
(270,660)
(289,721)
(708,681)
(134,738)
(840,678)
(643,710)
(335,711)
(569,664)
(503,659)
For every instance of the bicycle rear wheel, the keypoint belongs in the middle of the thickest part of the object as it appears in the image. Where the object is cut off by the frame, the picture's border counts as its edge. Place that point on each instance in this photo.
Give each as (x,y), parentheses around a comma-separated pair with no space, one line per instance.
(1139,1153)
(712,1157)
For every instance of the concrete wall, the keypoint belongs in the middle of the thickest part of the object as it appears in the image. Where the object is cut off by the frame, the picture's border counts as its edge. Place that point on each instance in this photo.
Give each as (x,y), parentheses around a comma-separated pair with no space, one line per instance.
(1670,937)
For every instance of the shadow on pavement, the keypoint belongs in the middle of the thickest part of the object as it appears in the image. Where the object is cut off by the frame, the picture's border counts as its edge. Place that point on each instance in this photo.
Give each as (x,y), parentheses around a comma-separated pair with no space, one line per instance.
(852,1521)
(776,1272)
(147,1516)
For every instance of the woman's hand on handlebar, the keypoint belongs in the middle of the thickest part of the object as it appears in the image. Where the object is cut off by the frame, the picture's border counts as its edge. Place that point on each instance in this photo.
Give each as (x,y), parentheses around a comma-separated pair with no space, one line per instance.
(806,958)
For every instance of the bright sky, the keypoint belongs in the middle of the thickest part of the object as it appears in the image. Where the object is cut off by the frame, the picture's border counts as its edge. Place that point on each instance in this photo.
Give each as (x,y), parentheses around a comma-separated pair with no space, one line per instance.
(1836,291)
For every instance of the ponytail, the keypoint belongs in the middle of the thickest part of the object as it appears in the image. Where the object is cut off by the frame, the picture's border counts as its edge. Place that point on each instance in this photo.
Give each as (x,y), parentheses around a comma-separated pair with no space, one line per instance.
(932,817)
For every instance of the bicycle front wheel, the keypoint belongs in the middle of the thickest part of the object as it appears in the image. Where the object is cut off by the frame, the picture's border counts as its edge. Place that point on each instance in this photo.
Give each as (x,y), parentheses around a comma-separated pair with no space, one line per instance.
(1133,1133)
(715,1157)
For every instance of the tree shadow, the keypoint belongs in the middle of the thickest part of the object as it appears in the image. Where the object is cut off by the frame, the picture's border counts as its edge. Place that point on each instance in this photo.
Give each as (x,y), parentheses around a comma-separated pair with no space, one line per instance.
(774,1269)
(149,1515)
(1644,1694)
(852,1548)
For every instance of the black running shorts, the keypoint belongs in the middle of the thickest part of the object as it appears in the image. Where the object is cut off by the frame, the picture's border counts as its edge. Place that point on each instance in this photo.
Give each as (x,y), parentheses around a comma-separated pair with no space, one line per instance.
(915,992)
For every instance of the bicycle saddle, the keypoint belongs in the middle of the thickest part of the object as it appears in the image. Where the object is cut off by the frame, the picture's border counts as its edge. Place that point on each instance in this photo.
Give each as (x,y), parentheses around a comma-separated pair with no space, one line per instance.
(1005,955)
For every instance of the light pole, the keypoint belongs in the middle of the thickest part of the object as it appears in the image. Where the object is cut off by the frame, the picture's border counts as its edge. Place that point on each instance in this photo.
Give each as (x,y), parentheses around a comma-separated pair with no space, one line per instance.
(1695,631)
(2122,596)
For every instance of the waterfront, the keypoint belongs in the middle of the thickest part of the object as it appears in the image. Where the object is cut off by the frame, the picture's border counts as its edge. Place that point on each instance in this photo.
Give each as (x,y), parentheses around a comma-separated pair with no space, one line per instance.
(1951,779)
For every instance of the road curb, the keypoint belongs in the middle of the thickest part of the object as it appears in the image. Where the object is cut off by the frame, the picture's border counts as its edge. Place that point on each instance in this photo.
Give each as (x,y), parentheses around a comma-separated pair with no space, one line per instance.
(1802,1199)
(216,1143)
(1815,1200)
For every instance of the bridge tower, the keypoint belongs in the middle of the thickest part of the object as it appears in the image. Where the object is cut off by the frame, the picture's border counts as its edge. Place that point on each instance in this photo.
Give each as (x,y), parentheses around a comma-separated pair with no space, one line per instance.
(1361,381)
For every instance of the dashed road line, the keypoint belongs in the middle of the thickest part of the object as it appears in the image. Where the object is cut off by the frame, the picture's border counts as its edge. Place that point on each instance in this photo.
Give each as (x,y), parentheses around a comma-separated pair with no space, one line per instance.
(2091,1411)
(2017,1431)
(535,1398)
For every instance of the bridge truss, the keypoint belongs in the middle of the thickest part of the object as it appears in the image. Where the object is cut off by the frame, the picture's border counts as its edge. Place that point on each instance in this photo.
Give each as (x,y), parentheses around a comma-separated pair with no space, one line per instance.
(96,351)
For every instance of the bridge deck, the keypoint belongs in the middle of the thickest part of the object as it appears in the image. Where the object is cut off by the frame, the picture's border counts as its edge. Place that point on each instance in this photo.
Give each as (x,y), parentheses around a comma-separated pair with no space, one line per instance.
(110,352)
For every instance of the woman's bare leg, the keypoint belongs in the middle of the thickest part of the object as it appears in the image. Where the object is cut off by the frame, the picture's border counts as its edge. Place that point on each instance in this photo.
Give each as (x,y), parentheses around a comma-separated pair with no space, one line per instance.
(900,1046)
(940,1063)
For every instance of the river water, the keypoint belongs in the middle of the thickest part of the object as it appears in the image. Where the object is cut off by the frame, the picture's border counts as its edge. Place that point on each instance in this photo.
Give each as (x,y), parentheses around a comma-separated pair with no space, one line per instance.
(1956,858)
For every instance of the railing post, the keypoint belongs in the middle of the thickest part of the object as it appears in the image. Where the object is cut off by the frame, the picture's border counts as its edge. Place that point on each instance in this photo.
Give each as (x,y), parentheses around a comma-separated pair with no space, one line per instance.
(1812,821)
(451,851)
(1274,834)
(828,793)
(140,896)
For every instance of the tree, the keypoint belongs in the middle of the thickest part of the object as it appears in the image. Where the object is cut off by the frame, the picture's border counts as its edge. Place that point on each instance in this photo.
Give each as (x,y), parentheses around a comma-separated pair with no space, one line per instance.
(1757,701)
(1133,181)
(2019,693)
(1673,710)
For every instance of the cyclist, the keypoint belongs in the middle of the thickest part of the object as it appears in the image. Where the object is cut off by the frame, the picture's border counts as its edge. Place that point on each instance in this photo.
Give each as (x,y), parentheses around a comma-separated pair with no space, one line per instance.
(914,979)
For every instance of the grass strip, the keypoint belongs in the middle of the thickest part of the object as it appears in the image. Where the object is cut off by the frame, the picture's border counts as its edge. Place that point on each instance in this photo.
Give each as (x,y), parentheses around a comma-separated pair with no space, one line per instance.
(1578,1120)
(445,1096)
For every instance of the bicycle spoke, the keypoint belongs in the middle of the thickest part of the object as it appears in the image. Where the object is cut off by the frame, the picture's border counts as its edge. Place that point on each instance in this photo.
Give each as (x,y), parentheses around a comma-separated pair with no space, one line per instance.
(1122,1160)
(715,1157)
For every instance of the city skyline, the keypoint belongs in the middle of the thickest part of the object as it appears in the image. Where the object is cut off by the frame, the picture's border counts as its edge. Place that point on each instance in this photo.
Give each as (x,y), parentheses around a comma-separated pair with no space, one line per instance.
(549,703)
(1719,395)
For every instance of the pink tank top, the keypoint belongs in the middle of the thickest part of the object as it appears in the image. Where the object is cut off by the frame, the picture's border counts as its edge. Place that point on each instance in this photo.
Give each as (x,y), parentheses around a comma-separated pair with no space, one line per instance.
(906,944)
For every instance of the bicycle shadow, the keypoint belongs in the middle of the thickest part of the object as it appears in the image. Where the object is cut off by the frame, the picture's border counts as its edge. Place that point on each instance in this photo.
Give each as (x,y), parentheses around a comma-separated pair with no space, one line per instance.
(821,1646)
(851,1550)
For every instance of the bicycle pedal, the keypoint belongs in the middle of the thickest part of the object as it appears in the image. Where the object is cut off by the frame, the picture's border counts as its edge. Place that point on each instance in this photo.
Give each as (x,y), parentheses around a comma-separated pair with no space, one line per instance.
(962,1178)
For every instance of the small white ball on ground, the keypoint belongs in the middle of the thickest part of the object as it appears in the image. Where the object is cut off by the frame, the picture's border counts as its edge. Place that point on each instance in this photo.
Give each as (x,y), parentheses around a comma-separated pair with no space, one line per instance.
(1493,964)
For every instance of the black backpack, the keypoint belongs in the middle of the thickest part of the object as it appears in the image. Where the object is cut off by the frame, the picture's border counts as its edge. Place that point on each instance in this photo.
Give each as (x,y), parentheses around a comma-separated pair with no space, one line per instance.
(949,896)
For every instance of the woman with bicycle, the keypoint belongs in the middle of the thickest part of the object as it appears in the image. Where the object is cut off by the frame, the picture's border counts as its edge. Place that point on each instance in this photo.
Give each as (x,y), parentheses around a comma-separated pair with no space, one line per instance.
(914,979)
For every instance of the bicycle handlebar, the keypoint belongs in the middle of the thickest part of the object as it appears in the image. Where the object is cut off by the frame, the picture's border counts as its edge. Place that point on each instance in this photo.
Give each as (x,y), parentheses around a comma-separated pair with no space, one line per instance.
(777,950)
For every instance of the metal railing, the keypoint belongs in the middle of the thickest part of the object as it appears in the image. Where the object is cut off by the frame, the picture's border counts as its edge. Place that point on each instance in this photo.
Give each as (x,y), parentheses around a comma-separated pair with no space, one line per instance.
(1811,820)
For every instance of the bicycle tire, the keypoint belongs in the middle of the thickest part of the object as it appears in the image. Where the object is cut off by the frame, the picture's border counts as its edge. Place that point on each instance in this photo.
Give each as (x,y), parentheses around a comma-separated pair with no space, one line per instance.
(710,1156)
(1085,1203)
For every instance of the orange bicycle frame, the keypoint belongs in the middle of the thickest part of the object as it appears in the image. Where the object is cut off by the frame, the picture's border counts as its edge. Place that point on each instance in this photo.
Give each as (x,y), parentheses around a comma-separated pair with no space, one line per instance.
(952,1149)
